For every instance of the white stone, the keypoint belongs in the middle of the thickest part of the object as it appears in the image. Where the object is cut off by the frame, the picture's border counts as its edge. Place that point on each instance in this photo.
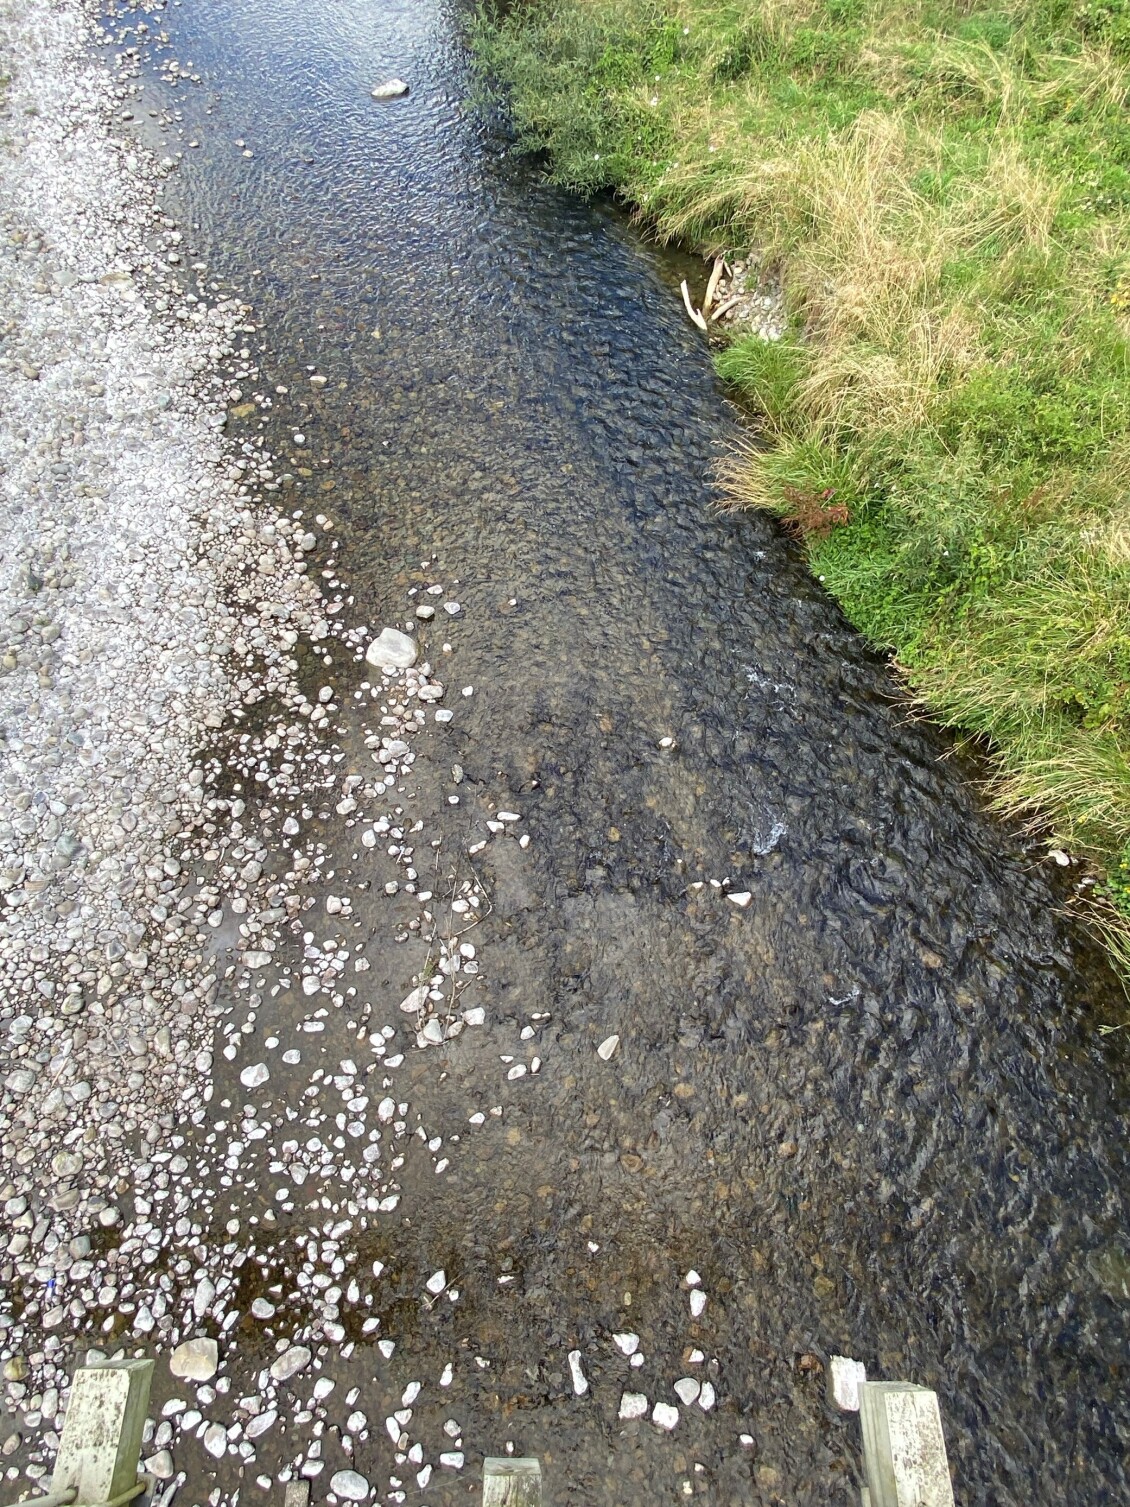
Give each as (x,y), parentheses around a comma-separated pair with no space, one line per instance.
(391,647)
(606,1048)
(698,1303)
(260,1423)
(665,1416)
(195,1360)
(627,1343)
(740,898)
(350,1485)
(215,1439)
(160,1465)
(290,1362)
(706,1398)
(413,1003)
(436,1282)
(633,1405)
(845,1377)
(395,88)
(580,1381)
(255,1075)
(687,1390)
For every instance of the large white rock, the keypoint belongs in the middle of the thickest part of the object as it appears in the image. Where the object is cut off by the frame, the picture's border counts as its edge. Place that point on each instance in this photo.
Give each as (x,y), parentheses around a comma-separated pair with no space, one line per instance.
(633,1405)
(394,89)
(195,1360)
(391,647)
(290,1362)
(350,1485)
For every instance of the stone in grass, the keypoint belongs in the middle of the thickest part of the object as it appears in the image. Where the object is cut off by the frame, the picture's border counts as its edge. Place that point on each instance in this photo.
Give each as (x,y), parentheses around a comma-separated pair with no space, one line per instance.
(391,647)
(195,1360)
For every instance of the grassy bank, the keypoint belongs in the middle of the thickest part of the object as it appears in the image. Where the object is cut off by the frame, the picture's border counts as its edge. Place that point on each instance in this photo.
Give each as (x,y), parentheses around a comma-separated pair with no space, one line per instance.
(946,192)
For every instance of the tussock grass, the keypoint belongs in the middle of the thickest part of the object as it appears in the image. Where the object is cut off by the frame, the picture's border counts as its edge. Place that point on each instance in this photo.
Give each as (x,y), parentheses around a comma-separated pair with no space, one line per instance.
(946,191)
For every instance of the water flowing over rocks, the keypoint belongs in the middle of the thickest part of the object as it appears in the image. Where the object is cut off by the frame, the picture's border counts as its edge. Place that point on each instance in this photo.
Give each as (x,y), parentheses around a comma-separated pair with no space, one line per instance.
(562,1027)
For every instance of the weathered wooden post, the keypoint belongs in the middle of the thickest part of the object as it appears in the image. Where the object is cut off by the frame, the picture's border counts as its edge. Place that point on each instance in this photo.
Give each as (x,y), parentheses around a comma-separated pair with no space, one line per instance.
(510,1482)
(904,1450)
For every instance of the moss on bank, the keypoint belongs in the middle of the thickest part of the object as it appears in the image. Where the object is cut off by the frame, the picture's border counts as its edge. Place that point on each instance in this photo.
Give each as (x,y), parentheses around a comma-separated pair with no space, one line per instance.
(946,192)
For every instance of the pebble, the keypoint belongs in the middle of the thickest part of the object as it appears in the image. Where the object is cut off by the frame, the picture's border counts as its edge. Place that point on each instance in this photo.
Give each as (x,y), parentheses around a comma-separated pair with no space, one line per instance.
(255,1075)
(290,1363)
(665,1416)
(626,1343)
(580,1381)
(698,1303)
(633,1405)
(606,1048)
(740,898)
(395,88)
(687,1389)
(216,1440)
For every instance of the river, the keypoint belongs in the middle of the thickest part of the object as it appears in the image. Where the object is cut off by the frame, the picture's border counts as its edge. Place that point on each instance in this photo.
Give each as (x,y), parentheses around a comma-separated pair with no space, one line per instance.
(870,1107)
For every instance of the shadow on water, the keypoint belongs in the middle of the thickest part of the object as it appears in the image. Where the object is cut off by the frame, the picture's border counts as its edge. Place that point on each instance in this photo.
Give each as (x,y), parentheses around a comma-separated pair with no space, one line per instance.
(870,1108)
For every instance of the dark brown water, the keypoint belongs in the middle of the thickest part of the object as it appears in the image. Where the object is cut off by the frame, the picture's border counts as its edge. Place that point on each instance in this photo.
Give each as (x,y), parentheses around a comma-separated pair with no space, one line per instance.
(872,1109)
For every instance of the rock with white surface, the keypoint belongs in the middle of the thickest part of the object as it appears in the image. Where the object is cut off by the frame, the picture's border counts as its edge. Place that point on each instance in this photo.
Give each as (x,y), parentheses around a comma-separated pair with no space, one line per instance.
(393,648)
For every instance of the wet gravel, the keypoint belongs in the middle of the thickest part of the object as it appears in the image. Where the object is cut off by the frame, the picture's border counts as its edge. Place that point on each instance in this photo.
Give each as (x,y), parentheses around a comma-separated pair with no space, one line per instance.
(602,1020)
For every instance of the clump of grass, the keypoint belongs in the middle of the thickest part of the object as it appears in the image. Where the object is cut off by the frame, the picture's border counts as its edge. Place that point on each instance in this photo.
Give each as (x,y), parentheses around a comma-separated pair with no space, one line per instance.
(946,191)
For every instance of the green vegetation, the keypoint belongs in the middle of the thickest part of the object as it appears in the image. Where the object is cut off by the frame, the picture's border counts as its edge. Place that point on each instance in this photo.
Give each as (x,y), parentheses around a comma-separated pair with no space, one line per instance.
(946,192)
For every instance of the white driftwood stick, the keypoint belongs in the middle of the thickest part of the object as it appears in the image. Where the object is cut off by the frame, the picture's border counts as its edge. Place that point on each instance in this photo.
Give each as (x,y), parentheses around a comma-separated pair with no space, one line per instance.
(712,285)
(696,317)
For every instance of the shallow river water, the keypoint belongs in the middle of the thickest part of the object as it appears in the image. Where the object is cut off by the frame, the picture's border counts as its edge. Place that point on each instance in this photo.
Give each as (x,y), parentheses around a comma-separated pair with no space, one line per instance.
(872,1108)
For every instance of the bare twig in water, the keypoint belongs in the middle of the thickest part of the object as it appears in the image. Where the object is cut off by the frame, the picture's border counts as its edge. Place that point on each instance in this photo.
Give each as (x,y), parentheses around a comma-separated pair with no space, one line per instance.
(691,310)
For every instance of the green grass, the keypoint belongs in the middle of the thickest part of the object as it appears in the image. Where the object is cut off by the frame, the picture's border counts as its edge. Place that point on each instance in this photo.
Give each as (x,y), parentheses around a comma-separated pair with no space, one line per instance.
(946,194)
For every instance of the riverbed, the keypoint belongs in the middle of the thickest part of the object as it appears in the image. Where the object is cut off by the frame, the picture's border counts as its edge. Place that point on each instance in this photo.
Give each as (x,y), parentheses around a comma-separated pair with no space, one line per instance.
(857,1102)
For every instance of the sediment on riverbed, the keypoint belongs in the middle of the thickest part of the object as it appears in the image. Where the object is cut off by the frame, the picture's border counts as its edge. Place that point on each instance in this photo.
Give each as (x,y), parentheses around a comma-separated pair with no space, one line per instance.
(150,598)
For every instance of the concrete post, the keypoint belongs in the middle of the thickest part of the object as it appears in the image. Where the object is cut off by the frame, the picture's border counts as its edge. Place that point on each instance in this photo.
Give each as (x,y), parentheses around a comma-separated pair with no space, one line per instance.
(509,1482)
(904,1451)
(101,1441)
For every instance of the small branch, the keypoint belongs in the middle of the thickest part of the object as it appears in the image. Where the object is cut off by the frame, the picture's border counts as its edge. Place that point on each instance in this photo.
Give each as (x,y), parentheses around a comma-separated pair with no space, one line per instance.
(696,317)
